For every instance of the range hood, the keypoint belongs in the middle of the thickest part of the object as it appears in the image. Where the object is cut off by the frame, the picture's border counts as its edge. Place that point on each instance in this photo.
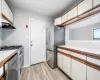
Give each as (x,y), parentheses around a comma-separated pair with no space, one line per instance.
(7,25)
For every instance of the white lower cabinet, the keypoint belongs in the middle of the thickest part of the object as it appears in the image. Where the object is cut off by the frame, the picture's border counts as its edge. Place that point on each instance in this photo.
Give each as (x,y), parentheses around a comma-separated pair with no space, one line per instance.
(59,60)
(93,74)
(67,65)
(78,70)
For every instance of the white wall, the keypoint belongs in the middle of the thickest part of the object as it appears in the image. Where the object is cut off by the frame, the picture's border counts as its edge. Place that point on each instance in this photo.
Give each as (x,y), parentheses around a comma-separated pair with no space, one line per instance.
(21,34)
(84,44)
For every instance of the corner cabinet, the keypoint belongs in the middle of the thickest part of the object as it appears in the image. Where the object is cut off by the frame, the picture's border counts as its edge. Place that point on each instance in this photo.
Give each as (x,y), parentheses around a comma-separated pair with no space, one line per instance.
(84,6)
(6,12)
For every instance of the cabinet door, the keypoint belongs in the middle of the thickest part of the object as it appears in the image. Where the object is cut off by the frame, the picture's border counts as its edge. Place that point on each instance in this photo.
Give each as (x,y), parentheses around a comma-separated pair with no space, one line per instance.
(78,68)
(6,11)
(58,21)
(67,65)
(72,13)
(84,6)
(59,60)
(93,74)
(64,18)
(96,2)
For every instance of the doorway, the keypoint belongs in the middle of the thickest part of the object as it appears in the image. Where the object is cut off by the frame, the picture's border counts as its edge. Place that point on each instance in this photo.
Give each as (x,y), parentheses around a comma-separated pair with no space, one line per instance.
(37,42)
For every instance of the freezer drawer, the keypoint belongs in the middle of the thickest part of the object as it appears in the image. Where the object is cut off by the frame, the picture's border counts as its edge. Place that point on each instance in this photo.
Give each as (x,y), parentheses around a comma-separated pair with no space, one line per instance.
(50,57)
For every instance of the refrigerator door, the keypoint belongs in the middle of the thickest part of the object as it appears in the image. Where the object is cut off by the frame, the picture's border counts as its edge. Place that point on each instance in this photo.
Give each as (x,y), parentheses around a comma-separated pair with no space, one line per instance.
(50,38)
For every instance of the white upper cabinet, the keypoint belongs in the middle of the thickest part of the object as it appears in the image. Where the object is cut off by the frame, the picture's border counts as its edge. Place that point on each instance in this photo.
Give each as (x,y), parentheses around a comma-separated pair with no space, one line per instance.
(72,13)
(84,6)
(93,74)
(64,18)
(6,11)
(59,60)
(58,21)
(96,2)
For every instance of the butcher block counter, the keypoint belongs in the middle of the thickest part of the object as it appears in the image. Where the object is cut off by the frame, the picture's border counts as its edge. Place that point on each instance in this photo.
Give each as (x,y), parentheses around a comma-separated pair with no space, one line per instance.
(79,63)
(4,57)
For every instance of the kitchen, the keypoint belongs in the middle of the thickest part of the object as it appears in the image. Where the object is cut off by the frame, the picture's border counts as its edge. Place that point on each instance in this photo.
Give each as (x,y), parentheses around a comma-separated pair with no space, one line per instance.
(65,47)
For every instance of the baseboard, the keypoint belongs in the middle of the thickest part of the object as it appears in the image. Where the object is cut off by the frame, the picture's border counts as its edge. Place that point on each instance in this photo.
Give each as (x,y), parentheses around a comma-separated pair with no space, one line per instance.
(26,66)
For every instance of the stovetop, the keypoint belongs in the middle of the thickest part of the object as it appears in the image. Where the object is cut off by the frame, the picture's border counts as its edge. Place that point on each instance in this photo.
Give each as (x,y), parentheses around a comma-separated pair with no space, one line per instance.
(10,47)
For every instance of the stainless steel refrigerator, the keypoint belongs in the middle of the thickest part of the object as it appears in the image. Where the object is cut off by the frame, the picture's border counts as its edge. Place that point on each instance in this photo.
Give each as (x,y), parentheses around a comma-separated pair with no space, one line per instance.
(54,36)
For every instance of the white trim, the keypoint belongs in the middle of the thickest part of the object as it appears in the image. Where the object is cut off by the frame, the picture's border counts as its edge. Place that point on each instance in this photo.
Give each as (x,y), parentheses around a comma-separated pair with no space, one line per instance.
(26,66)
(30,41)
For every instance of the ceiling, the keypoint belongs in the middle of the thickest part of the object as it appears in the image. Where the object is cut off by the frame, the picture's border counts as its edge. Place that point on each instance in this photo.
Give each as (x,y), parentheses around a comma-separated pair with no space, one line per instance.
(52,8)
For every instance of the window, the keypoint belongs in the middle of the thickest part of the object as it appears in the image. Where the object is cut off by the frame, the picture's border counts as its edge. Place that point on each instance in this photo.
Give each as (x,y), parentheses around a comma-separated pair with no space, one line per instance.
(96,34)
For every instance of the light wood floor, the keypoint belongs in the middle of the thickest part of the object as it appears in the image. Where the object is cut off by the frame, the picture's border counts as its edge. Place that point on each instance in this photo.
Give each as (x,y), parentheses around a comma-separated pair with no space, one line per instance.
(42,72)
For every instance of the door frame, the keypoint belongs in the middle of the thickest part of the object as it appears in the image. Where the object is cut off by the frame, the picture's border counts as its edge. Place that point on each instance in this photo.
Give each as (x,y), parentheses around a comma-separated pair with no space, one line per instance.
(30,19)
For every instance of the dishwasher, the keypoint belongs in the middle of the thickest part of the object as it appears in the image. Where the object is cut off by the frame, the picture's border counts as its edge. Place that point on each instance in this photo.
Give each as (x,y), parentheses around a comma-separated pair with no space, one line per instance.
(12,68)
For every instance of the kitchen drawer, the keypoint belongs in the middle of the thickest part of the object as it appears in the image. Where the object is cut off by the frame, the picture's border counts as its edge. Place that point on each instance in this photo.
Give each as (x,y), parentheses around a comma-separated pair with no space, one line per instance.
(95,61)
(79,55)
(65,51)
